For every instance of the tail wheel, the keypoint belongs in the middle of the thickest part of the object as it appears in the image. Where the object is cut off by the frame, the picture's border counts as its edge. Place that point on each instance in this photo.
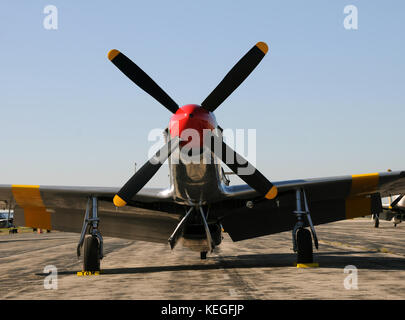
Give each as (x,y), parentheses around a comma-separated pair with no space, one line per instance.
(304,246)
(203,255)
(91,261)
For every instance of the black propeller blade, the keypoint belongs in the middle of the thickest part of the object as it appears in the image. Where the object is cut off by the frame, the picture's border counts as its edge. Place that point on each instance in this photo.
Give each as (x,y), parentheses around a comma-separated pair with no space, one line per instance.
(140,78)
(144,174)
(241,167)
(236,76)
(395,202)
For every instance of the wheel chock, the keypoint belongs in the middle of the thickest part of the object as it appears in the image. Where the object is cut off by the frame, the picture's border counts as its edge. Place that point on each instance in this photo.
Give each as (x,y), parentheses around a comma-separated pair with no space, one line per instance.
(88,273)
(307,265)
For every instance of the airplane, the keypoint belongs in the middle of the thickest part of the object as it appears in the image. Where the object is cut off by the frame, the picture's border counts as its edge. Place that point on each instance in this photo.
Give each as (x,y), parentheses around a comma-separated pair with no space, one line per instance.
(6,219)
(199,205)
(393,211)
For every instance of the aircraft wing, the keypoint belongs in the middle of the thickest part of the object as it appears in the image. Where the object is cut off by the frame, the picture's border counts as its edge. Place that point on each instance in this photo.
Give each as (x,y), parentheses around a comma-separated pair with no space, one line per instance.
(329,199)
(152,215)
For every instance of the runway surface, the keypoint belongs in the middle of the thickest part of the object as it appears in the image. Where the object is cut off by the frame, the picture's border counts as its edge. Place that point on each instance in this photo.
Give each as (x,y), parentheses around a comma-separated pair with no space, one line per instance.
(261,268)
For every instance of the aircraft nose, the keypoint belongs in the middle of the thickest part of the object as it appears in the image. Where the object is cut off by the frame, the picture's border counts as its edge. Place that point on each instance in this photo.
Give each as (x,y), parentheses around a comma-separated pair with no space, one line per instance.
(189,123)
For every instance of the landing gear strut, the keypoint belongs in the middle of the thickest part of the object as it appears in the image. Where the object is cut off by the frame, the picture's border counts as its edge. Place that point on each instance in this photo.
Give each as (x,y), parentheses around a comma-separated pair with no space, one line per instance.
(211,244)
(196,214)
(179,229)
(93,243)
(376,217)
(301,237)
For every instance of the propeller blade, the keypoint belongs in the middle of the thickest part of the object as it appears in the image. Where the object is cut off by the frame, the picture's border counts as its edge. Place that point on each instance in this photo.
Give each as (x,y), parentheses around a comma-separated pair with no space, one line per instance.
(241,167)
(236,76)
(144,174)
(395,202)
(141,79)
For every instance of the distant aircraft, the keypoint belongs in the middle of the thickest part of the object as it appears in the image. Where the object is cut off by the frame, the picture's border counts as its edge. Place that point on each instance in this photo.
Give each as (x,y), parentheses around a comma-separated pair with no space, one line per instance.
(199,203)
(6,219)
(393,211)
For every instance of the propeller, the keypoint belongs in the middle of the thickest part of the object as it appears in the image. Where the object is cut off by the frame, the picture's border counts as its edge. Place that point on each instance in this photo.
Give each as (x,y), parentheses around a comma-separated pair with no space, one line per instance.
(236,76)
(242,168)
(236,162)
(145,173)
(141,79)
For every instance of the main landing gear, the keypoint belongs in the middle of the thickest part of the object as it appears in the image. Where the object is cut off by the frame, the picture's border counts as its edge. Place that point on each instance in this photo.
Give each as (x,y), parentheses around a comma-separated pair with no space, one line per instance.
(376,218)
(93,242)
(301,237)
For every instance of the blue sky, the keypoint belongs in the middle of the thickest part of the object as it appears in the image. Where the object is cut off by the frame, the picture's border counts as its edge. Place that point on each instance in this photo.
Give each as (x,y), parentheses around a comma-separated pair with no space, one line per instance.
(325,101)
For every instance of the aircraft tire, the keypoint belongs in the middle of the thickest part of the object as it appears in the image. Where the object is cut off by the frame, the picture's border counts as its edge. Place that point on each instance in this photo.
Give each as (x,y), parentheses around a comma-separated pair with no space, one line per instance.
(304,246)
(91,260)
(203,255)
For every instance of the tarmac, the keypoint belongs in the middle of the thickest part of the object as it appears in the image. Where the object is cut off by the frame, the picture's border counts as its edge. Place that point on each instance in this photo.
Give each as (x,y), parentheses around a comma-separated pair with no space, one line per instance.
(261,268)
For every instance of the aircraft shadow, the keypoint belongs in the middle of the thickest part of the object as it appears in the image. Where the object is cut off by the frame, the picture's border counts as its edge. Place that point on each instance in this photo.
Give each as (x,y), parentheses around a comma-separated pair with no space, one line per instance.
(326,260)
(30,240)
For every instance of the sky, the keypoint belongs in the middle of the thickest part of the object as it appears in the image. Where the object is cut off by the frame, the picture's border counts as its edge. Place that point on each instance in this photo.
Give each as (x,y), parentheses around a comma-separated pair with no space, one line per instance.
(324,101)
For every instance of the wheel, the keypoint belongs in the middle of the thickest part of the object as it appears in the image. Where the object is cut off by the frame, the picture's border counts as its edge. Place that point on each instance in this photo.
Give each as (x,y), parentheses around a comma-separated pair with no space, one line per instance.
(216,234)
(203,255)
(91,261)
(304,246)
(377,223)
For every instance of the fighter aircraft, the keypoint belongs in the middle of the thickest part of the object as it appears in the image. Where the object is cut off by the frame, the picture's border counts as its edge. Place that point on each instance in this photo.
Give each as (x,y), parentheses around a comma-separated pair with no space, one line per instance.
(393,211)
(199,203)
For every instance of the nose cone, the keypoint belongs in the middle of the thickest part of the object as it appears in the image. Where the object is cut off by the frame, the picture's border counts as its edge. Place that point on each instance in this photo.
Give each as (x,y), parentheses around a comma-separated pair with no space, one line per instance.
(189,123)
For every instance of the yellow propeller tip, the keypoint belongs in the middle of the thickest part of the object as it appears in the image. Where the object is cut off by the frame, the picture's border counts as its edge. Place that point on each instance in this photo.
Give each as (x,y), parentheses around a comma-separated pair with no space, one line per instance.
(263,47)
(112,54)
(272,193)
(118,202)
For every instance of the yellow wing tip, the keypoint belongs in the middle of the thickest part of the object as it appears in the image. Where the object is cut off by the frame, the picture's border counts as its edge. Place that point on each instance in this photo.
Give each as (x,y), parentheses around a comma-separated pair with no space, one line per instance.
(272,193)
(263,47)
(118,202)
(112,54)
